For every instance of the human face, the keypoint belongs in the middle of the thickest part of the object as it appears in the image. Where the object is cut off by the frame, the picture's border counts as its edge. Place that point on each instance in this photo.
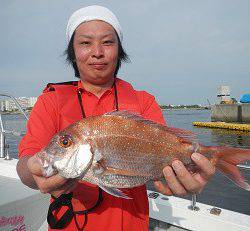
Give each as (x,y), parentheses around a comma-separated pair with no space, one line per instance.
(96,50)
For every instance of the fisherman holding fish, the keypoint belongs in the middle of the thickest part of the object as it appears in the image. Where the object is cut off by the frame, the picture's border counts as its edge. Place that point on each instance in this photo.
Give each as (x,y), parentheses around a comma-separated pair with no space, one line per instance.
(95,51)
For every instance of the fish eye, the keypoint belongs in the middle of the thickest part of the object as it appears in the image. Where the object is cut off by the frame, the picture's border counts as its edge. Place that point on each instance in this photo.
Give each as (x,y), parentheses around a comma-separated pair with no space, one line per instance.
(65,141)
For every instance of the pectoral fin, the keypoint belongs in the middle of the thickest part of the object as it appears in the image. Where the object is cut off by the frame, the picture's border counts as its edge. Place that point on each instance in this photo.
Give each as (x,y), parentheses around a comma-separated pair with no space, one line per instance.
(99,168)
(114,192)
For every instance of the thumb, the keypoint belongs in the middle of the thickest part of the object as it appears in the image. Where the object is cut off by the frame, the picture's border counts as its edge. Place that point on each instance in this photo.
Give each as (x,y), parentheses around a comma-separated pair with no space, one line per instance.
(35,166)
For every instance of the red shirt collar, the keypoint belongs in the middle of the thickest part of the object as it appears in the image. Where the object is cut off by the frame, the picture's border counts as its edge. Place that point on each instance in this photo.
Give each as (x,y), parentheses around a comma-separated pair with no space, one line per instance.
(81,87)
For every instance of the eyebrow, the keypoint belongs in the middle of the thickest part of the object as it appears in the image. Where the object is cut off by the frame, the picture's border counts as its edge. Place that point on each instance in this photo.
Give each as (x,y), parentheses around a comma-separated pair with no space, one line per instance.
(90,36)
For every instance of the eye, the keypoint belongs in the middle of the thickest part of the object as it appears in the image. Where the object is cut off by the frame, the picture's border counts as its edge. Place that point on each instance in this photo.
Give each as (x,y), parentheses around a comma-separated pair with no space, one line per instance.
(108,42)
(85,43)
(65,141)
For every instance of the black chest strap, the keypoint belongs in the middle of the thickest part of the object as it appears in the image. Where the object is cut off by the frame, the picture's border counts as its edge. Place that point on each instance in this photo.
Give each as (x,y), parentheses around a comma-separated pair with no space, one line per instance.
(66,200)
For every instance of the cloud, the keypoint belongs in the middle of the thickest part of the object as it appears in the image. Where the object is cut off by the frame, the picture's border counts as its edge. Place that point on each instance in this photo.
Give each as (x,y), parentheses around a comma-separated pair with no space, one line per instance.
(183,49)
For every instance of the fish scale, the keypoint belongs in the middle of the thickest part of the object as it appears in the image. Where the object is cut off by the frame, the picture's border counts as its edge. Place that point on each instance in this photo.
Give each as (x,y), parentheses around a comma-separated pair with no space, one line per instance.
(123,150)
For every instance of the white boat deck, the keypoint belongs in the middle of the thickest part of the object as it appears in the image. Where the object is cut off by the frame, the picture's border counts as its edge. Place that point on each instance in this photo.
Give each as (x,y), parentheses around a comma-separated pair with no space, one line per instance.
(22,207)
(175,211)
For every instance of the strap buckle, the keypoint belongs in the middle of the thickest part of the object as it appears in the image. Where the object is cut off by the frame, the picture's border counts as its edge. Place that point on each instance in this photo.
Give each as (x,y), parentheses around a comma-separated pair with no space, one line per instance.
(63,200)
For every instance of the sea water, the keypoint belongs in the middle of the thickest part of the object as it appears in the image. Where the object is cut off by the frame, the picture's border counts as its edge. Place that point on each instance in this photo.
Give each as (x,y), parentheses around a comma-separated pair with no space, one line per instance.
(219,192)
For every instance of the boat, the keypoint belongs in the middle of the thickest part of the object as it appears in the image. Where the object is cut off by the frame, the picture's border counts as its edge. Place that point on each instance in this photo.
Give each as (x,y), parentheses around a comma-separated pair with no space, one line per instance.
(22,208)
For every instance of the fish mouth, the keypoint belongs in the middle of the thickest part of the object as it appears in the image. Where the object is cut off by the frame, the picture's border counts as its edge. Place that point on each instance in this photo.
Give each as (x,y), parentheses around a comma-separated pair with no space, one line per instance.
(46,160)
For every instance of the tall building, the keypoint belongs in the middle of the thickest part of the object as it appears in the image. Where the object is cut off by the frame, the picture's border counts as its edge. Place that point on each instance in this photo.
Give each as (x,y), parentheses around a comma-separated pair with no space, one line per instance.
(32,101)
(25,102)
(9,105)
(2,105)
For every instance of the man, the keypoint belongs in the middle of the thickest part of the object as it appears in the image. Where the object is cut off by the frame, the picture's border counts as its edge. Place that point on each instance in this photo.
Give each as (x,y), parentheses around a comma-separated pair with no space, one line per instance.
(94,49)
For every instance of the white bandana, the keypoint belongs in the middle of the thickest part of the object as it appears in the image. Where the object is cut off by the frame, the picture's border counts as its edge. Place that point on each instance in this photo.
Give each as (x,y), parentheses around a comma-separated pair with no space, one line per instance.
(90,13)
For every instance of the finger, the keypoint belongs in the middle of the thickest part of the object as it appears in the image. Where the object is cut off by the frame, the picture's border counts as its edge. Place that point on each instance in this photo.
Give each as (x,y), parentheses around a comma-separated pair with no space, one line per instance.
(202,181)
(49,184)
(70,184)
(206,167)
(173,183)
(185,177)
(34,166)
(163,189)
(67,188)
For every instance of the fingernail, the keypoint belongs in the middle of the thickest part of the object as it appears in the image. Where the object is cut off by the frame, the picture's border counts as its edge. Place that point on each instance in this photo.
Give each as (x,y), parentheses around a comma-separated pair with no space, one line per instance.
(196,156)
(157,184)
(167,171)
(177,165)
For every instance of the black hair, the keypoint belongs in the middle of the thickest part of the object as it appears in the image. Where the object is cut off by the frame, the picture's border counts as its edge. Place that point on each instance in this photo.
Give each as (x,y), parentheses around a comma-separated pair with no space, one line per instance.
(71,58)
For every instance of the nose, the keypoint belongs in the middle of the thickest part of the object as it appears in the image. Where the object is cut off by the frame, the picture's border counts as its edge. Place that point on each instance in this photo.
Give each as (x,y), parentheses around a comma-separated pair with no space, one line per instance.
(97,51)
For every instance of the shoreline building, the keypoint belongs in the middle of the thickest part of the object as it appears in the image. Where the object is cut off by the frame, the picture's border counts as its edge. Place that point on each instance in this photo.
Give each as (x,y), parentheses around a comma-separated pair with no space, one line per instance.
(25,102)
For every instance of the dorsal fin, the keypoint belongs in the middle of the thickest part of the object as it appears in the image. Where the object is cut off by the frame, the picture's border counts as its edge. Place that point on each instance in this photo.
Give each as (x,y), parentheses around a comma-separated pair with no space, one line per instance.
(124,114)
(184,134)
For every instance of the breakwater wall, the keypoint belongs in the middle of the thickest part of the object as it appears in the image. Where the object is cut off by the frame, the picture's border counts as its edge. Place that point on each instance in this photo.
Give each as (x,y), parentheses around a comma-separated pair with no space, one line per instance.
(231,113)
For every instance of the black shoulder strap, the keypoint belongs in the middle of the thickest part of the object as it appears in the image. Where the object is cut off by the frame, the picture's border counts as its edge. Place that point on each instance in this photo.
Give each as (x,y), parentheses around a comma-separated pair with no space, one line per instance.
(65,200)
(50,87)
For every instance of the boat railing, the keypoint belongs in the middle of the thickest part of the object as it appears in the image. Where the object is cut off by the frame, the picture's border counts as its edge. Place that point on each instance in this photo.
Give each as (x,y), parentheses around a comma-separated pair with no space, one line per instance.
(244,166)
(4,154)
(3,146)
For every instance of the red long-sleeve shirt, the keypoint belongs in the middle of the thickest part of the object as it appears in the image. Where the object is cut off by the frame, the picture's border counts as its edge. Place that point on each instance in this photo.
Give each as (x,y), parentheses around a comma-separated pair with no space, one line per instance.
(54,111)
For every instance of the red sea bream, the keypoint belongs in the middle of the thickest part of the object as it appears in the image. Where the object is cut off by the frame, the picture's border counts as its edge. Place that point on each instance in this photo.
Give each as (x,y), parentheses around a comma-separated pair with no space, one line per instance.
(123,150)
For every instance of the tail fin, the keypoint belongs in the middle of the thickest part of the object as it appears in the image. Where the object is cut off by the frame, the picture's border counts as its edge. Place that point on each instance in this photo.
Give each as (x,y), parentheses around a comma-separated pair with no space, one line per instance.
(227,160)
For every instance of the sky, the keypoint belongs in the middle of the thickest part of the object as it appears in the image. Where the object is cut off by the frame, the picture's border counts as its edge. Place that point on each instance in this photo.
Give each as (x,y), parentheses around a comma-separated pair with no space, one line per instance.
(181,51)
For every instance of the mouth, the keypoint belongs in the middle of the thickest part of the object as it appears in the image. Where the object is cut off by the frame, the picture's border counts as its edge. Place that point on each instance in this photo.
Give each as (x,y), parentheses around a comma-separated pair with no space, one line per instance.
(98,66)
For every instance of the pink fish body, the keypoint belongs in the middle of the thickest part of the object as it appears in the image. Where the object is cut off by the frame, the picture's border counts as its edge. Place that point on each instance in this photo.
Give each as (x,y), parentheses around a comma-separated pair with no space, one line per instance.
(122,150)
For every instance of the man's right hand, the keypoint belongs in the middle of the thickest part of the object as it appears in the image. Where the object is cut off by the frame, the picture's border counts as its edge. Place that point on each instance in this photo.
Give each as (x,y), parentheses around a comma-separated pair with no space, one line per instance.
(30,172)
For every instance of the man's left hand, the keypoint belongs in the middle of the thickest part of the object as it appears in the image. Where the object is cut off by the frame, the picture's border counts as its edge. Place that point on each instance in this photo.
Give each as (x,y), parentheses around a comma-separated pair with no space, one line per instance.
(181,182)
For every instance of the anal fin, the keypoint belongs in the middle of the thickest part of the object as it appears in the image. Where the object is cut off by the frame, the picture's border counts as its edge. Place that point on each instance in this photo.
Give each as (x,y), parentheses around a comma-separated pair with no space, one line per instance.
(114,192)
